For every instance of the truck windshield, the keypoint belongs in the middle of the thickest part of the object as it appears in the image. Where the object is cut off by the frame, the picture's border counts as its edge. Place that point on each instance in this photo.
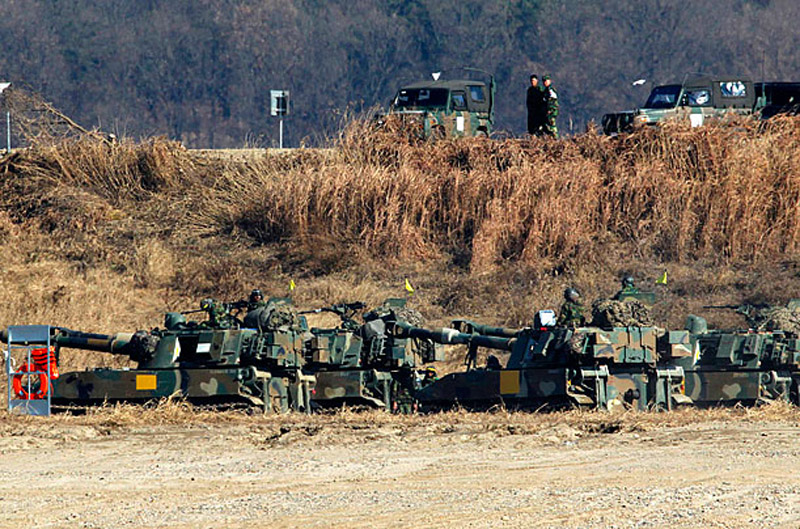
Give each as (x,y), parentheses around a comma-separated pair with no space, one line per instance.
(663,96)
(421,97)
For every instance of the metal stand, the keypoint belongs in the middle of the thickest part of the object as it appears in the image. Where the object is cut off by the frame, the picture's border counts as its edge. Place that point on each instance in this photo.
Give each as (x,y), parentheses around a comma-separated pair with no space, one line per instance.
(22,340)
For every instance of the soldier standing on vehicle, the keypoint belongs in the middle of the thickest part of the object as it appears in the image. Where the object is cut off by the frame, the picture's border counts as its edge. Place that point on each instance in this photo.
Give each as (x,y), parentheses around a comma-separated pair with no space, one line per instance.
(571,313)
(627,288)
(218,315)
(429,376)
(551,104)
(537,110)
(255,300)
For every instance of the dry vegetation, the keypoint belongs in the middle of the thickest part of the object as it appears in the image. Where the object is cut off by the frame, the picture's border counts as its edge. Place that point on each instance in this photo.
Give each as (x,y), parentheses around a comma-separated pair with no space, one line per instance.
(107,238)
(499,422)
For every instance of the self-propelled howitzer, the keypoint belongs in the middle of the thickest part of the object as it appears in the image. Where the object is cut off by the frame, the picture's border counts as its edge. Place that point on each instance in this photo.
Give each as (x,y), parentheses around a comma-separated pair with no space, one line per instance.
(740,366)
(206,365)
(366,363)
(558,366)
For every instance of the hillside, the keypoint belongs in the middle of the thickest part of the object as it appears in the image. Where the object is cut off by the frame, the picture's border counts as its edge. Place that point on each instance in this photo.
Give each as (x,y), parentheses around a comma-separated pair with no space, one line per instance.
(107,238)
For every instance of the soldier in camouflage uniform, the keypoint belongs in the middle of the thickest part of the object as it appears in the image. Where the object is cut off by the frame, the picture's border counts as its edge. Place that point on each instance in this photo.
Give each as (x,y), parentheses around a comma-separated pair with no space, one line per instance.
(402,399)
(571,313)
(627,288)
(551,101)
(429,376)
(218,316)
(256,300)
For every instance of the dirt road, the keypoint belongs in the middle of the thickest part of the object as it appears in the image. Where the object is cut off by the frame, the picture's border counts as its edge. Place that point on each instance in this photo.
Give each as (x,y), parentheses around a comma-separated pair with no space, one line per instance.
(417,473)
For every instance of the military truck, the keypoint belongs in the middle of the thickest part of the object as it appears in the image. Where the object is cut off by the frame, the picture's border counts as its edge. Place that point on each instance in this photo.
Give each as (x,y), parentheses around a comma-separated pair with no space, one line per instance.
(446,108)
(702,98)
(777,98)
(696,100)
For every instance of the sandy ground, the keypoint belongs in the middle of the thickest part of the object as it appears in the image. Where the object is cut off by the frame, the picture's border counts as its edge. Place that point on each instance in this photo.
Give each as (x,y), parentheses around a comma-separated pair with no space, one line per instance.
(715,474)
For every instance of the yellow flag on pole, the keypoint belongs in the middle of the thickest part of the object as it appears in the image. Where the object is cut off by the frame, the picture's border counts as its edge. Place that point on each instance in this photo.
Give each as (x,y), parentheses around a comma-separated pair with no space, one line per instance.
(409,288)
(663,279)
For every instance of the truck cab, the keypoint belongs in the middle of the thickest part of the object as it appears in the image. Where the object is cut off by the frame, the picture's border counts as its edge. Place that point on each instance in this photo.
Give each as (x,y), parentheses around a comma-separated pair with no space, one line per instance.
(451,108)
(696,100)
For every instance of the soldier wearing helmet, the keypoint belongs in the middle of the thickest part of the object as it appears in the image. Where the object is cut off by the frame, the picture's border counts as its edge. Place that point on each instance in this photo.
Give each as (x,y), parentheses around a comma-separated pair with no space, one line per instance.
(256,300)
(429,376)
(627,288)
(571,313)
(255,295)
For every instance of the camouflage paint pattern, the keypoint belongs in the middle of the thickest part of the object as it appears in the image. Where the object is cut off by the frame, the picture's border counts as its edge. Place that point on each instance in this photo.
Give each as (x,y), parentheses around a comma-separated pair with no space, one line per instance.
(740,367)
(445,119)
(714,106)
(202,386)
(365,387)
(587,366)
(479,388)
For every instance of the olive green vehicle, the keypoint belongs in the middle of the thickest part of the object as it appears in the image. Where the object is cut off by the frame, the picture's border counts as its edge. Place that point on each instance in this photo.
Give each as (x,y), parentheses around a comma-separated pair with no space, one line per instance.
(366,364)
(697,100)
(558,366)
(268,358)
(452,108)
(216,362)
(744,367)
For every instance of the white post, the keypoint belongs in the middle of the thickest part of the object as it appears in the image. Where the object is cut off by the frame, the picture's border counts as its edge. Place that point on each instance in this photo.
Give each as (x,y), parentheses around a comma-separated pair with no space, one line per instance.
(280,134)
(3,87)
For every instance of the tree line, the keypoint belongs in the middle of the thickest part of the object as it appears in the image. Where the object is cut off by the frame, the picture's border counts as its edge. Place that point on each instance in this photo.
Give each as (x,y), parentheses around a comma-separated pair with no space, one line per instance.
(200,71)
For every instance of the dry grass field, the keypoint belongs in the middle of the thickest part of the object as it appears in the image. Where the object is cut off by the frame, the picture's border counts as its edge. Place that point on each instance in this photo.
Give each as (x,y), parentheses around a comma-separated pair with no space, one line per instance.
(107,238)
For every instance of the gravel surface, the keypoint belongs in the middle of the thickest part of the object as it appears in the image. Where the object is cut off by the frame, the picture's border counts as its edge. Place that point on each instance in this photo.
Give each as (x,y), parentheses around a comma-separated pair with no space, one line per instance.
(710,475)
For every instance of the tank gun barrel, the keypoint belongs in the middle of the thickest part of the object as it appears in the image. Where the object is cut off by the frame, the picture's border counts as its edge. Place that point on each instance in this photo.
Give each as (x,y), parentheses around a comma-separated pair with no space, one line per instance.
(471,327)
(737,308)
(342,309)
(105,343)
(449,336)
(139,346)
(740,307)
(746,309)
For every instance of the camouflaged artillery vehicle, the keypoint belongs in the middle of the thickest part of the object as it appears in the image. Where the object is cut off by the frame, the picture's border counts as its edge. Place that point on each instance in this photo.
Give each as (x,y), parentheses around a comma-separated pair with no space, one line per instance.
(553,366)
(222,361)
(369,363)
(749,366)
(446,108)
